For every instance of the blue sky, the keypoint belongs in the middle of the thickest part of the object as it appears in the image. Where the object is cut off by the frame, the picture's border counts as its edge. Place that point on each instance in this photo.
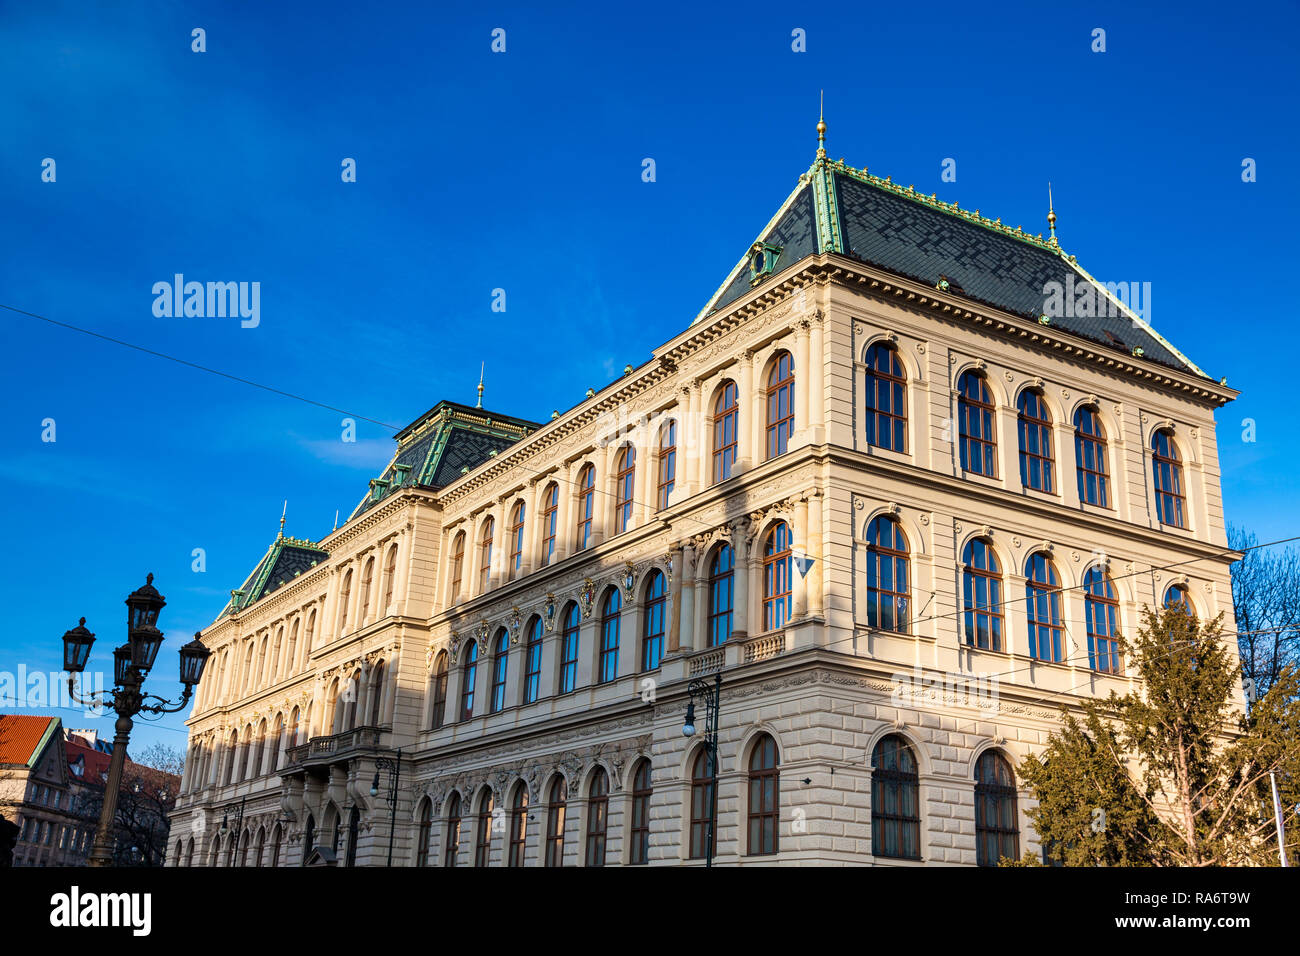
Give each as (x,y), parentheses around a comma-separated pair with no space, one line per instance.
(522,171)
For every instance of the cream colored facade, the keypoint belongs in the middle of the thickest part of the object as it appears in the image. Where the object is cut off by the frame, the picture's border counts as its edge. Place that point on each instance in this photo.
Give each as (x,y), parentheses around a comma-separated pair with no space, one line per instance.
(826,686)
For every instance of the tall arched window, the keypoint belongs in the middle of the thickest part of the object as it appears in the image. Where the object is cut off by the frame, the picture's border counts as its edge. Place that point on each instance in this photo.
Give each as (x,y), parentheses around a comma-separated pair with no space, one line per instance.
(331,714)
(533,661)
(550,512)
(518,826)
(667,464)
(291,652)
(309,836)
(1090,458)
(457,565)
(609,635)
(701,806)
(776,577)
(895,800)
(639,835)
(468,674)
(485,556)
(721,592)
(390,576)
(1167,466)
(652,634)
(422,833)
(597,817)
(354,832)
(982,587)
(345,599)
(764,791)
(377,695)
(1043,606)
(887,575)
(975,415)
(500,659)
(1177,596)
(569,650)
(294,717)
(997,831)
(780,406)
(483,840)
(311,632)
(452,852)
(275,656)
(1034,423)
(586,504)
(277,837)
(624,486)
(517,537)
(440,690)
(726,425)
(367,582)
(555,813)
(259,747)
(1102,611)
(886,393)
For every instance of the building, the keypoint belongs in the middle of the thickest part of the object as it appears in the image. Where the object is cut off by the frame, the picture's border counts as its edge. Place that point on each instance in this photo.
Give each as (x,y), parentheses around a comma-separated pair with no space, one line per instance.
(900,484)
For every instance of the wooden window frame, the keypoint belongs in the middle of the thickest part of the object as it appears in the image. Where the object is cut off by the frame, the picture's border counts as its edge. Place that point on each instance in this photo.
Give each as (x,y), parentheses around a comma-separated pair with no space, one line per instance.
(780,422)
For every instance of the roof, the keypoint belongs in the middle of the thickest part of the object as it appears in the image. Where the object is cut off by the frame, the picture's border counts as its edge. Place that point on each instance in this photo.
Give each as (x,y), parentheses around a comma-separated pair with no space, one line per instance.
(86,763)
(284,560)
(23,737)
(838,209)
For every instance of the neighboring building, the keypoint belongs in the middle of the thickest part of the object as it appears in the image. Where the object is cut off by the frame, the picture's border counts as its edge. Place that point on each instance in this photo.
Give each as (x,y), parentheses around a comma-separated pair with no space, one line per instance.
(902,510)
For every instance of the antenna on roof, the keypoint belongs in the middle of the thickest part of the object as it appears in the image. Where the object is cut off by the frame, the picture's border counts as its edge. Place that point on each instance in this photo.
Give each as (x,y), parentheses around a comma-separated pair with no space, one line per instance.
(284,511)
(1051,216)
(481,367)
(821,127)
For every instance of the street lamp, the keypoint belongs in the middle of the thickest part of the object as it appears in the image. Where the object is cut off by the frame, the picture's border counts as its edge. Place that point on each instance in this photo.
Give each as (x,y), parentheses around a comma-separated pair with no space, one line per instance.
(131,664)
(711,693)
(394,768)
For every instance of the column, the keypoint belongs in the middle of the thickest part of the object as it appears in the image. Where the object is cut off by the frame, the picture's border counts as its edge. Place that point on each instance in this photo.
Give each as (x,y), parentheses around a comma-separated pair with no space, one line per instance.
(675,596)
(532,515)
(564,519)
(644,492)
(749,446)
(815,551)
(740,547)
(816,379)
(685,619)
(801,377)
(798,582)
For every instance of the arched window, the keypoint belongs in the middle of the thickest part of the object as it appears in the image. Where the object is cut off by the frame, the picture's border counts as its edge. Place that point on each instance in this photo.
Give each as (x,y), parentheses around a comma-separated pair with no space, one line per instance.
(1102,611)
(1090,457)
(555,811)
(293,728)
(652,635)
(259,748)
(667,463)
(390,576)
(975,414)
(354,833)
(367,581)
(895,800)
(726,422)
(423,832)
(764,791)
(702,806)
(1043,605)
(776,577)
(518,826)
(468,675)
(997,832)
(485,556)
(309,836)
(483,841)
(624,486)
(1034,423)
(277,837)
(639,844)
(586,504)
(887,585)
(275,656)
(550,512)
(886,394)
(457,565)
(311,631)
(569,650)
(331,707)
(1167,466)
(440,690)
(780,405)
(453,830)
(189,851)
(982,586)
(1177,596)
(500,660)
(517,537)
(597,817)
(533,661)
(377,695)
(721,591)
(353,691)
(291,652)
(609,633)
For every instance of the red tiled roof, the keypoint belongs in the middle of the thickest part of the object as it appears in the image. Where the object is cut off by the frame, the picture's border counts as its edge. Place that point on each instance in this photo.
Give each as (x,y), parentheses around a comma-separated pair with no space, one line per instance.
(19,736)
(95,763)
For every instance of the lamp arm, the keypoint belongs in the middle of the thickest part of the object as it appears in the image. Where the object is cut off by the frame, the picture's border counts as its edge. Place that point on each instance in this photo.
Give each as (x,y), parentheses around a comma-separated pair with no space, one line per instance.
(165,706)
(99,698)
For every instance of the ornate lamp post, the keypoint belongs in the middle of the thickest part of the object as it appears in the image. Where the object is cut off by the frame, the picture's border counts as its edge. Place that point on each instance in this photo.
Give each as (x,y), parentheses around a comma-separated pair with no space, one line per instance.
(711,692)
(394,768)
(131,665)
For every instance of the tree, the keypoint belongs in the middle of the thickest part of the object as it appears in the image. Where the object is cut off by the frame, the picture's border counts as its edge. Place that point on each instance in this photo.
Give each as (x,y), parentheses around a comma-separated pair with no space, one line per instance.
(147,796)
(1266,602)
(1179,772)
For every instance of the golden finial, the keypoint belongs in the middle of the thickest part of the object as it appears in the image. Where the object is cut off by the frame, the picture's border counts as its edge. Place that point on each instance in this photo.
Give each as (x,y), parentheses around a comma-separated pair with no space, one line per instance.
(283,511)
(821,127)
(1051,216)
(482,366)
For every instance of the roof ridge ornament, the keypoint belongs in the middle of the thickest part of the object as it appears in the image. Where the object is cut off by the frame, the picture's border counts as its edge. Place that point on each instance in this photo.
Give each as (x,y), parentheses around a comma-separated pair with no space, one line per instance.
(283,511)
(482,366)
(821,127)
(1051,216)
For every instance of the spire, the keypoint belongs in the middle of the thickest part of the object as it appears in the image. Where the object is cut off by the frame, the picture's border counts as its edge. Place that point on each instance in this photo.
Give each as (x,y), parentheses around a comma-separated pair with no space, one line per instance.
(284,511)
(821,127)
(336,519)
(482,366)
(1051,216)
